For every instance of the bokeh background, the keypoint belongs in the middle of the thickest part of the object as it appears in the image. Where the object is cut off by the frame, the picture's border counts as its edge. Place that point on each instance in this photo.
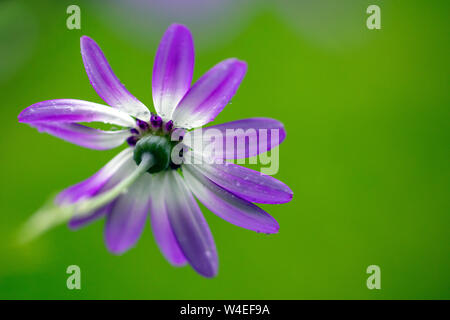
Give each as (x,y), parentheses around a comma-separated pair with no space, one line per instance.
(367,151)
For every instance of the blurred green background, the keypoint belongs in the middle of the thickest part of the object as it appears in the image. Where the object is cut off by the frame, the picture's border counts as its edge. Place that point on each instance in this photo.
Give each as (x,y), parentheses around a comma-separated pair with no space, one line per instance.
(367,150)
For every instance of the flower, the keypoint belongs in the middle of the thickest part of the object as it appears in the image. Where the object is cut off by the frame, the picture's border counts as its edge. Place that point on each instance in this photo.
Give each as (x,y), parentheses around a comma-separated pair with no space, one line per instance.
(145,177)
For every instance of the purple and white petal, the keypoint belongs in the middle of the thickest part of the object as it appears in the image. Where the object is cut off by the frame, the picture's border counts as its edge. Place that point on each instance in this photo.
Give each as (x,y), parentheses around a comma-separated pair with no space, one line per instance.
(237,139)
(209,95)
(105,82)
(162,230)
(123,172)
(77,223)
(190,227)
(172,70)
(248,184)
(110,175)
(228,205)
(72,110)
(84,136)
(106,178)
(126,221)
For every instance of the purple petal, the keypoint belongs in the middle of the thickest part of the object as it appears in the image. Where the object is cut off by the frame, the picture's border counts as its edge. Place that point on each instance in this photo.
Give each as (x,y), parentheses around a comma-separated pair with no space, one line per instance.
(209,95)
(118,167)
(106,178)
(238,139)
(106,83)
(71,110)
(124,171)
(227,205)
(162,230)
(126,221)
(172,70)
(77,223)
(248,184)
(84,136)
(190,227)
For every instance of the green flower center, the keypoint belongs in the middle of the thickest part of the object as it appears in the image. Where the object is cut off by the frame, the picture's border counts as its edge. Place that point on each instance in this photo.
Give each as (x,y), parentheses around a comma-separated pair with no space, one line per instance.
(159,147)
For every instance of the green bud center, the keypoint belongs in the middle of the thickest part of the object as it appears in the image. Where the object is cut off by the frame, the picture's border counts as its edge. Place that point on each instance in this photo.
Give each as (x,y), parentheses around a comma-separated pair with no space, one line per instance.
(159,147)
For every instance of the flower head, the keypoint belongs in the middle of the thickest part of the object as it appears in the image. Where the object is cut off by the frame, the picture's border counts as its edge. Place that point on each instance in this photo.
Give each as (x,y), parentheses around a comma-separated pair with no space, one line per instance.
(153,176)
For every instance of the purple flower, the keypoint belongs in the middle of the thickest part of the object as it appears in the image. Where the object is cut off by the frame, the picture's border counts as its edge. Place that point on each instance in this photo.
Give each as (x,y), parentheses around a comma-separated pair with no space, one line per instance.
(144,178)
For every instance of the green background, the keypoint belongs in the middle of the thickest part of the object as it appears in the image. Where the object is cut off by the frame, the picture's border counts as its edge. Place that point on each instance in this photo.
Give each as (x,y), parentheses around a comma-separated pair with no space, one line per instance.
(366,154)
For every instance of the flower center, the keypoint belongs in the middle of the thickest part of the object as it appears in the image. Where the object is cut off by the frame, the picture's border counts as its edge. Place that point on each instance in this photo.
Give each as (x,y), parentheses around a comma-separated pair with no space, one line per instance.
(154,138)
(159,147)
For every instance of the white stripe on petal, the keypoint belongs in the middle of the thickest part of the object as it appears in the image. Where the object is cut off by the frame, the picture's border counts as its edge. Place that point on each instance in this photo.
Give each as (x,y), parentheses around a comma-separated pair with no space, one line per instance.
(105,179)
(248,184)
(190,227)
(84,136)
(126,221)
(172,70)
(237,139)
(106,83)
(227,205)
(72,110)
(120,165)
(162,230)
(209,95)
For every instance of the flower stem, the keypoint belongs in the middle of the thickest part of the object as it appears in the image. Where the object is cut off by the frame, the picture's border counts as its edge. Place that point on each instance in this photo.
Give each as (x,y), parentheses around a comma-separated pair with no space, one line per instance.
(51,215)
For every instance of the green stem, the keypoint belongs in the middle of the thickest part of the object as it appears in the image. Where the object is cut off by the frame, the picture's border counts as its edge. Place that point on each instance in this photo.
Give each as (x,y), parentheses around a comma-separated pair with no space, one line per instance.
(50,215)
